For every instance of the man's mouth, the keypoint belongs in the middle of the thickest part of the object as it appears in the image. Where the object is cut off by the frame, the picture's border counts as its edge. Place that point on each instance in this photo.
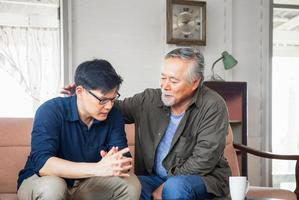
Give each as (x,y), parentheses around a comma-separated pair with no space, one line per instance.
(167,95)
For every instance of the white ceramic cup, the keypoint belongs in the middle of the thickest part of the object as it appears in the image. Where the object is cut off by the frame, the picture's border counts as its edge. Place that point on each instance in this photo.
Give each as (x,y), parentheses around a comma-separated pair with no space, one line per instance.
(238,187)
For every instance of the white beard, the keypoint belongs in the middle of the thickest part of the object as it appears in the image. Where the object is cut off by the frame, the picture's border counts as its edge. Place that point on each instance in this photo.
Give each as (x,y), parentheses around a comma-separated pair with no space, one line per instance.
(167,100)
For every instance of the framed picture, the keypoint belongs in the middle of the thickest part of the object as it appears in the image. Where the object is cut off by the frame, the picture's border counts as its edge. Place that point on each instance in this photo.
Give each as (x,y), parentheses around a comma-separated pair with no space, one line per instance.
(186,22)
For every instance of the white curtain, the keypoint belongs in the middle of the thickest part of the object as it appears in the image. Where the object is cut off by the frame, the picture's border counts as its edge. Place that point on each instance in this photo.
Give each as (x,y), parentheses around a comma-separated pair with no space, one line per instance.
(32,57)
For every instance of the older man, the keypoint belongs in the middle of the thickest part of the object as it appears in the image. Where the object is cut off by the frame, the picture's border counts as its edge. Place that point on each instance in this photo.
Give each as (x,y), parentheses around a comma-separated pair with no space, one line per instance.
(180,132)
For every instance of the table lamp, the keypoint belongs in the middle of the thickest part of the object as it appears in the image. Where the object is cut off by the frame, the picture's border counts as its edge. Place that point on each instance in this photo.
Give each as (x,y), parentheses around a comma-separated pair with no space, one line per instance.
(228,61)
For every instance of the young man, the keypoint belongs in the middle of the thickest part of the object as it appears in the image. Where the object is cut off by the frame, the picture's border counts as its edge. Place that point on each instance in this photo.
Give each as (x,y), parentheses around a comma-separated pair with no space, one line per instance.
(180,133)
(70,138)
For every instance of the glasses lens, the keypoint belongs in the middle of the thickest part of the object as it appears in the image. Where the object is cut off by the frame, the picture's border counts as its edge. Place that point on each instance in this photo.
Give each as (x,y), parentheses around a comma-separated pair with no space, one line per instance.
(103,101)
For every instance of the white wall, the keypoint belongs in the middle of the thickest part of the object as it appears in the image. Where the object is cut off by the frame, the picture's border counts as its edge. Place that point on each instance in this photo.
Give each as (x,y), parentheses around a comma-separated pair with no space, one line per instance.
(250,33)
(129,34)
(132,36)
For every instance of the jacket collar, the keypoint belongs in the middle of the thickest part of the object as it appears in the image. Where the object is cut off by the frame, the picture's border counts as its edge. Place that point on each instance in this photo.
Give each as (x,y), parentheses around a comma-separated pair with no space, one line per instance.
(197,97)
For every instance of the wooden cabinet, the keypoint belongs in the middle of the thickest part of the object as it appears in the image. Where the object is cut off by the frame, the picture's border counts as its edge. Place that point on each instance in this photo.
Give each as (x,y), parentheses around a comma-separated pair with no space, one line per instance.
(235,96)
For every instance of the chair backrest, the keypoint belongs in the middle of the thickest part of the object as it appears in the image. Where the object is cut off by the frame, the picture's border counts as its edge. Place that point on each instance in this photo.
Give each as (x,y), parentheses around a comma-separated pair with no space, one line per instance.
(254,191)
(230,153)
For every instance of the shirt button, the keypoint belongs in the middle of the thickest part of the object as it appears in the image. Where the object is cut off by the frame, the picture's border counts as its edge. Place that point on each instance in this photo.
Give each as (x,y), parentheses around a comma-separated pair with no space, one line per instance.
(159,134)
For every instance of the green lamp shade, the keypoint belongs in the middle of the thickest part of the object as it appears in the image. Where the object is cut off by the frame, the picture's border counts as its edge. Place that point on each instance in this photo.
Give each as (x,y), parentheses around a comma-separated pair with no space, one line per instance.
(228,60)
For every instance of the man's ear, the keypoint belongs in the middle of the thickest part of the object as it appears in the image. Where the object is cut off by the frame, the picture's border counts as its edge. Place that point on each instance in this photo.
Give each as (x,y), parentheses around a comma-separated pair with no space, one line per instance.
(196,84)
(79,90)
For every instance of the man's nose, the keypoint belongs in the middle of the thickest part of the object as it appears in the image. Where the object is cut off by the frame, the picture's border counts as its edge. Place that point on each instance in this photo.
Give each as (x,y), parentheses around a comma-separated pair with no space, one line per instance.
(109,105)
(165,85)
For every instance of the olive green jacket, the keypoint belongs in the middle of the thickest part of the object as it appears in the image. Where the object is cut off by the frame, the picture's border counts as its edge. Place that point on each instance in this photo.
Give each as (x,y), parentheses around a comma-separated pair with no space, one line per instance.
(198,144)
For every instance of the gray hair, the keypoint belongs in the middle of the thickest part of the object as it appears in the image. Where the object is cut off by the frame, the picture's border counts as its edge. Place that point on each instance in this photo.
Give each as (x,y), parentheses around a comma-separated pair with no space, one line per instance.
(196,70)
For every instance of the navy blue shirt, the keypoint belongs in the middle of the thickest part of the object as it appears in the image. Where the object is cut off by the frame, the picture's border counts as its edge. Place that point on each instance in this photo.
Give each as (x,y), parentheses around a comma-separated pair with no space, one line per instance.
(58,131)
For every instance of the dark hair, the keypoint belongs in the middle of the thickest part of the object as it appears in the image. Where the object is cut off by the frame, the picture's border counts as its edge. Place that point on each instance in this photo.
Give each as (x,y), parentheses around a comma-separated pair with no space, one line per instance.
(196,71)
(97,75)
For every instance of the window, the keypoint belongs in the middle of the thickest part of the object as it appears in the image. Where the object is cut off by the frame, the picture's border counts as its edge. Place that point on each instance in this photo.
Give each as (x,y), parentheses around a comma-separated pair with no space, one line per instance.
(30,69)
(285,91)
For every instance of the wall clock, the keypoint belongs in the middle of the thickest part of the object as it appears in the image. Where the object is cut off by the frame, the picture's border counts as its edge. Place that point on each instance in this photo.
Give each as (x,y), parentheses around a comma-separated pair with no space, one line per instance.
(186,22)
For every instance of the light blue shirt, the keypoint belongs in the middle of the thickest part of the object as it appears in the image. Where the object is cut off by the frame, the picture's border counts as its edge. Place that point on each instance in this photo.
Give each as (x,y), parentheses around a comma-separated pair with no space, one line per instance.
(165,143)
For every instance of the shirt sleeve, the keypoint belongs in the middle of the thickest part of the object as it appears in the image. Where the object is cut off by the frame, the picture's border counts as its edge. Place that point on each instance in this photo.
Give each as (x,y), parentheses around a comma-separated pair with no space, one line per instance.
(210,144)
(130,107)
(117,136)
(45,135)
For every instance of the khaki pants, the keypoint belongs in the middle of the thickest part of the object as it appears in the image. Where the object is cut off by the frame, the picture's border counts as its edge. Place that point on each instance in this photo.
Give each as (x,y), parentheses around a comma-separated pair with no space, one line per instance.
(95,188)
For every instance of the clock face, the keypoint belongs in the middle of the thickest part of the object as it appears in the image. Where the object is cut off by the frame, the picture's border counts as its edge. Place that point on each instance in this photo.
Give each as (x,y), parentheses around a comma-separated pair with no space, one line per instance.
(187,22)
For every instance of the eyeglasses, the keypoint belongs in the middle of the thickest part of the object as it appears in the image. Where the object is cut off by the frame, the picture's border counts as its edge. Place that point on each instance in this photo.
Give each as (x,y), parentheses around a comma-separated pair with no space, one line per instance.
(104,100)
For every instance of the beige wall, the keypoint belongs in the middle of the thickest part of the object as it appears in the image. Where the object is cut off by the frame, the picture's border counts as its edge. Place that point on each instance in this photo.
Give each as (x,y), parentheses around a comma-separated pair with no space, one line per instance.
(131,34)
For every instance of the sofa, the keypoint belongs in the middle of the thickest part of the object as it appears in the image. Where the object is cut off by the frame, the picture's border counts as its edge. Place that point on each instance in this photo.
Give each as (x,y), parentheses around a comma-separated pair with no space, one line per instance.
(14,147)
(15,135)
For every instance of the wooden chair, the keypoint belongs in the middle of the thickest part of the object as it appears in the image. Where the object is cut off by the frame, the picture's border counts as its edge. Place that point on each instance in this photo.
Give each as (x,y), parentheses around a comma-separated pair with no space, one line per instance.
(256,191)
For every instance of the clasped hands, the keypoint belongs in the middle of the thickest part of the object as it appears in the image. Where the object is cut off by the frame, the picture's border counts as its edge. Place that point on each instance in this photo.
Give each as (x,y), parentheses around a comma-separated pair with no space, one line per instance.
(122,165)
(113,163)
